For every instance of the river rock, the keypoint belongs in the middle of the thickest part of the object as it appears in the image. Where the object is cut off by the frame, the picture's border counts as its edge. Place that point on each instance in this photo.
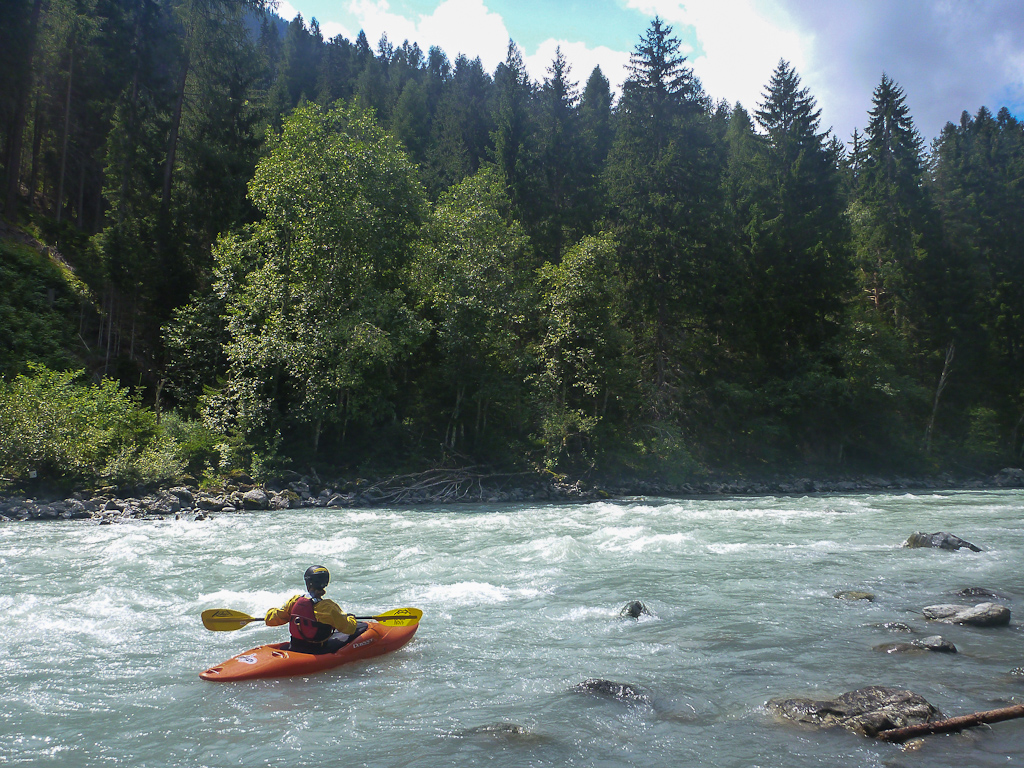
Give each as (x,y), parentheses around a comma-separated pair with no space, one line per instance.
(255,498)
(980,615)
(853,594)
(165,504)
(183,494)
(608,689)
(940,540)
(634,609)
(934,643)
(866,711)
(1011,477)
(210,503)
(896,626)
(496,729)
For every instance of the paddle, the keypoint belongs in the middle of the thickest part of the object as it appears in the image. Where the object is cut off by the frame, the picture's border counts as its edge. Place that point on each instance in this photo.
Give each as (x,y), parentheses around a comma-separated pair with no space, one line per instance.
(226,620)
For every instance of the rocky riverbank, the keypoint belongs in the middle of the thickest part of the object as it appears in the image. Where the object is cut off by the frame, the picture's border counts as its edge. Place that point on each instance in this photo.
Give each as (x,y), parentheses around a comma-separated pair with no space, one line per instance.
(441,487)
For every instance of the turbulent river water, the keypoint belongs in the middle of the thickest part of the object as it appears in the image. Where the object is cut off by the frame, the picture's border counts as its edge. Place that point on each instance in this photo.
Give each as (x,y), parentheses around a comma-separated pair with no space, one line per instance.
(101,642)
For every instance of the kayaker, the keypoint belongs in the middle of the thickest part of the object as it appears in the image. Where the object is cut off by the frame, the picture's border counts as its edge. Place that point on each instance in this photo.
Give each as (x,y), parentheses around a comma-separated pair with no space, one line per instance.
(317,625)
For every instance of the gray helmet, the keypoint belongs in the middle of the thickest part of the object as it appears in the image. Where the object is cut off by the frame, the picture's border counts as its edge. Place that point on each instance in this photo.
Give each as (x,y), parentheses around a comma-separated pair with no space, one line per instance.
(317,578)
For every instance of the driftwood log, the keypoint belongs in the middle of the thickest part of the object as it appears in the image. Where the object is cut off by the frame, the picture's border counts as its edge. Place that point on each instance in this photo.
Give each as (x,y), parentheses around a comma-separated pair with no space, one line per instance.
(953,724)
(439,485)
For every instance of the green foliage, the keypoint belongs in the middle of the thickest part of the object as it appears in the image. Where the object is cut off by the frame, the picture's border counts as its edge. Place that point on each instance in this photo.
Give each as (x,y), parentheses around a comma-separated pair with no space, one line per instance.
(38,310)
(984,444)
(275,269)
(583,351)
(318,319)
(72,433)
(195,340)
(473,281)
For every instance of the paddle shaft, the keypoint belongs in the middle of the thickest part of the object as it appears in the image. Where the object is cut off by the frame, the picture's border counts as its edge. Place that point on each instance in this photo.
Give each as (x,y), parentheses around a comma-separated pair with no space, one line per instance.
(224,620)
(358,618)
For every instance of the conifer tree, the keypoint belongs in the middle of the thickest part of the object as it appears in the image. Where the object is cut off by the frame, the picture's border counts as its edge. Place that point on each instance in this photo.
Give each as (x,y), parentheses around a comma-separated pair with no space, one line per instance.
(798,233)
(662,180)
(461,128)
(514,132)
(891,214)
(562,161)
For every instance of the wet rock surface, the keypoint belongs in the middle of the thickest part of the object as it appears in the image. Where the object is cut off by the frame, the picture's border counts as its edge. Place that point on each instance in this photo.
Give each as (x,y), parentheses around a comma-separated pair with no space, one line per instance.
(634,609)
(934,643)
(853,594)
(624,692)
(896,626)
(496,729)
(455,486)
(980,615)
(940,540)
(866,711)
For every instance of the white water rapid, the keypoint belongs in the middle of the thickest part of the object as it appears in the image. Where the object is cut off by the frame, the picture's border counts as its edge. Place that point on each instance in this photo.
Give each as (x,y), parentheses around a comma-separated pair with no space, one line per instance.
(101,642)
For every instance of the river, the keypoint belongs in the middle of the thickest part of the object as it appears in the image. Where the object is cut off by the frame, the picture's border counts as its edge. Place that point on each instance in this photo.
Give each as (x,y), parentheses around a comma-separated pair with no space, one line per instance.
(102,644)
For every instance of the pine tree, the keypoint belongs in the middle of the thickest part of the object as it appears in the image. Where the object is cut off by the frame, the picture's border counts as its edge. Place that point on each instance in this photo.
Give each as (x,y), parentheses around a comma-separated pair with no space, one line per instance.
(562,158)
(662,180)
(797,227)
(462,124)
(514,131)
(891,214)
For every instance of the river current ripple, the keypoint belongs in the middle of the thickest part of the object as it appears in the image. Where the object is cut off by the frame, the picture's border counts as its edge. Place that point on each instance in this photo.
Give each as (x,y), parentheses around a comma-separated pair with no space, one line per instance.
(101,642)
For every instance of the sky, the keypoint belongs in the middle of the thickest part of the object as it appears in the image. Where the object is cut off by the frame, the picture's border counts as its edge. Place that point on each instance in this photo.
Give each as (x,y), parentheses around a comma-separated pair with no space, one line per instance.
(947,55)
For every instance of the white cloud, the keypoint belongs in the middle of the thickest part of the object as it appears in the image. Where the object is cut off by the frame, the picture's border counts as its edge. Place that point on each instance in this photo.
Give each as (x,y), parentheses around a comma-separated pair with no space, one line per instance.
(286,10)
(742,41)
(456,26)
(466,26)
(582,61)
(947,56)
(331,29)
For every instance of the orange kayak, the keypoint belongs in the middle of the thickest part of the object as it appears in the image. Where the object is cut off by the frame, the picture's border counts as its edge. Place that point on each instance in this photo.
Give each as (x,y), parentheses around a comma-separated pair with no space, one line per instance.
(273,661)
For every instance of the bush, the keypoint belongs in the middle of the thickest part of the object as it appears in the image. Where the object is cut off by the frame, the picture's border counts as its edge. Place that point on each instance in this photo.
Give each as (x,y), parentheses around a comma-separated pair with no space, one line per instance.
(58,431)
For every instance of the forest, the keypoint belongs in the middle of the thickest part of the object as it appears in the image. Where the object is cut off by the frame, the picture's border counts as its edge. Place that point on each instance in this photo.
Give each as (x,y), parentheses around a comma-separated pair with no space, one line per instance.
(229,244)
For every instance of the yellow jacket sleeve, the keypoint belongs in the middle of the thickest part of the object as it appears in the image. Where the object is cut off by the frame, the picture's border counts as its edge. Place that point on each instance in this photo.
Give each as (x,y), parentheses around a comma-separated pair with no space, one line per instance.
(278,616)
(328,612)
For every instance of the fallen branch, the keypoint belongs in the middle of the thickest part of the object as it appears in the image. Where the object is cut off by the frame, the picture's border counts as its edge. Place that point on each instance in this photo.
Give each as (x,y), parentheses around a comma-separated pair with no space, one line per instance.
(953,724)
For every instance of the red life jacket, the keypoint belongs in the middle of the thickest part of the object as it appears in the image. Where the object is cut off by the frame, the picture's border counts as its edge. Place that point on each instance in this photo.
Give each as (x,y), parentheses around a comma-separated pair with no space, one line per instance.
(303,624)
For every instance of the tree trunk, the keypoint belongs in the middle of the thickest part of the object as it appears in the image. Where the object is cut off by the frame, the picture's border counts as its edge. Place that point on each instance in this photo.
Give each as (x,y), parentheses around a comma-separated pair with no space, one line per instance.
(37,141)
(953,724)
(67,131)
(950,351)
(79,216)
(172,144)
(156,402)
(14,157)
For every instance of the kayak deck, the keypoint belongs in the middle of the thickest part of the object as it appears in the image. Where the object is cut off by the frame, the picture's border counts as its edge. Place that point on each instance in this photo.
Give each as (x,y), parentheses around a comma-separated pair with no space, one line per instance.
(274,661)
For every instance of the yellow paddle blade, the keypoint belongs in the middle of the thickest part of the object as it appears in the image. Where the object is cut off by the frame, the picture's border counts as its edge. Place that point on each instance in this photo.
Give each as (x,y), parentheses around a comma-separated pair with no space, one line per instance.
(225,620)
(401,617)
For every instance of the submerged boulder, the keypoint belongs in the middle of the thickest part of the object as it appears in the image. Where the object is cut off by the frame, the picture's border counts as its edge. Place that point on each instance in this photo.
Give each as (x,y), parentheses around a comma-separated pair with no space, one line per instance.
(496,729)
(866,711)
(980,615)
(934,643)
(634,609)
(940,540)
(896,626)
(609,690)
(853,594)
